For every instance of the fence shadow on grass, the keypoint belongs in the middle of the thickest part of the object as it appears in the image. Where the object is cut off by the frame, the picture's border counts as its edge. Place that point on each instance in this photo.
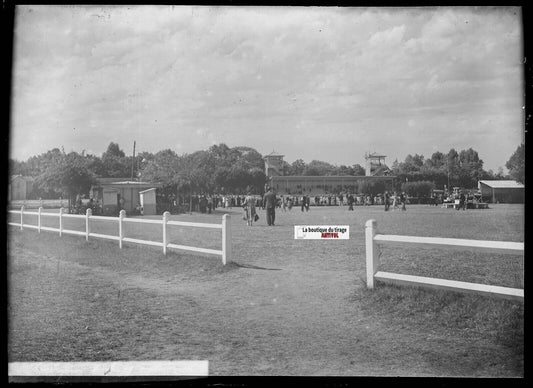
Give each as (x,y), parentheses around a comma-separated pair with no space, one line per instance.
(255,267)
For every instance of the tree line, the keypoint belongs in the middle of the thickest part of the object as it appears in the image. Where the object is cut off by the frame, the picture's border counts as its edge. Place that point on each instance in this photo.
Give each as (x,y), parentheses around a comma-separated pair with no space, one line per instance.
(462,169)
(221,169)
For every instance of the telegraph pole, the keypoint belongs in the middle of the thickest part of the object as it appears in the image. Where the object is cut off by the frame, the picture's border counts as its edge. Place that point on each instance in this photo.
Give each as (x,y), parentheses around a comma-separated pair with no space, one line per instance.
(133,161)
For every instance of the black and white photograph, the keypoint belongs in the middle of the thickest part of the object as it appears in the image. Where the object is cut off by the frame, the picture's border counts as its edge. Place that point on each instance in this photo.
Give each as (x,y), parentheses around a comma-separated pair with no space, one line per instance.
(201,191)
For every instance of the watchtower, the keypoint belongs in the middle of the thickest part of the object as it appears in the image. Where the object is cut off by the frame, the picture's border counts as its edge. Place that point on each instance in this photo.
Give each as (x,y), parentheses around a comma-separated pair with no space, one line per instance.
(373,163)
(273,164)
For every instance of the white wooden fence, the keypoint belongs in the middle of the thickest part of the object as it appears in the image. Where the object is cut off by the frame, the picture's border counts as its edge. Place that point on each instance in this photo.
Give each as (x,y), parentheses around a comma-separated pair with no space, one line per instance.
(373,262)
(225,252)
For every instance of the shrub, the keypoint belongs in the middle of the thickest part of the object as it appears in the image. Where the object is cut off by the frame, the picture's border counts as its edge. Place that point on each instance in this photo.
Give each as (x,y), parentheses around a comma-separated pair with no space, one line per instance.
(418,189)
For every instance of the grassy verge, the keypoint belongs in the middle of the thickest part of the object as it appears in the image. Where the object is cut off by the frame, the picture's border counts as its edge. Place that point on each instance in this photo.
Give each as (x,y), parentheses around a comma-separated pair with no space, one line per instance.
(451,312)
(280,307)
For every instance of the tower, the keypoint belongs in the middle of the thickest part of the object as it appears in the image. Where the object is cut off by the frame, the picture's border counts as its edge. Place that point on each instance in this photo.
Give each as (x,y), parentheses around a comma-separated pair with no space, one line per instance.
(373,164)
(273,164)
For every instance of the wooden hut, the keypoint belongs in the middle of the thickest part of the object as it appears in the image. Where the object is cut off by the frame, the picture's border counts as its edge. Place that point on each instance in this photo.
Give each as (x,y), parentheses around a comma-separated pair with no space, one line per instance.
(114,194)
(502,191)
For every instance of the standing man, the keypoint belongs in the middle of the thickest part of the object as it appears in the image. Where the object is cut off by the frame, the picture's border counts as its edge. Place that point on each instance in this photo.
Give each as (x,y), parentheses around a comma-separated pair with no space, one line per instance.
(386,200)
(350,201)
(270,202)
(209,204)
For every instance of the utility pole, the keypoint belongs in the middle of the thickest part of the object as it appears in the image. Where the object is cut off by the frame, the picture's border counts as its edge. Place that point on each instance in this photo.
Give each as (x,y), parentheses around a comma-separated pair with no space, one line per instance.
(448,172)
(133,161)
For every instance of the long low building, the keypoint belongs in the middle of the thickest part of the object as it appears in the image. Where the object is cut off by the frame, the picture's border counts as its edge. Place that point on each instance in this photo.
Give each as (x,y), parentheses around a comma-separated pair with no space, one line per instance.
(116,193)
(502,191)
(318,185)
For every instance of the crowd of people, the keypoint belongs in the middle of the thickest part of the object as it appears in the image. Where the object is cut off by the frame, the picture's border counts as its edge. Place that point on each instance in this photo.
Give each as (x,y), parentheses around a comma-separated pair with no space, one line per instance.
(205,203)
(397,201)
(270,202)
(208,203)
(462,198)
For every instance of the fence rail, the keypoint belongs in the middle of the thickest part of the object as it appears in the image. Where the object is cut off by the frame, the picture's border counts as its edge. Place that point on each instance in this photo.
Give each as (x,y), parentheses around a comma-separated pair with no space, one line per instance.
(373,262)
(224,252)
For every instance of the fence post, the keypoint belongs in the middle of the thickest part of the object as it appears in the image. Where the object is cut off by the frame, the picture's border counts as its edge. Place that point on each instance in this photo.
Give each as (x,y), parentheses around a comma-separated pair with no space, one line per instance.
(22,217)
(165,236)
(39,219)
(226,238)
(60,221)
(121,216)
(372,258)
(88,214)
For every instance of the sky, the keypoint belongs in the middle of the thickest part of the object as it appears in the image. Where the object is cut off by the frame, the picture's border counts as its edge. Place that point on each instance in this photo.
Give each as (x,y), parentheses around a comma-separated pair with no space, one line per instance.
(324,83)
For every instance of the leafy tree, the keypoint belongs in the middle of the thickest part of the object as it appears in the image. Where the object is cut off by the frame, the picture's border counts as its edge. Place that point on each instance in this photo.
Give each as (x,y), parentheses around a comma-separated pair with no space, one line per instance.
(95,165)
(318,167)
(517,164)
(18,168)
(358,170)
(437,161)
(355,170)
(145,156)
(470,168)
(413,162)
(344,170)
(220,151)
(452,167)
(162,168)
(41,162)
(257,179)
(193,177)
(409,168)
(114,163)
(436,175)
(197,172)
(113,149)
(251,158)
(297,167)
(68,176)
(222,177)
(418,189)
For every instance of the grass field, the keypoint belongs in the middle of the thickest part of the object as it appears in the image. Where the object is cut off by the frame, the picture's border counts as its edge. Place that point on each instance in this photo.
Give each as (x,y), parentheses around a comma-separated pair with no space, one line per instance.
(280,306)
